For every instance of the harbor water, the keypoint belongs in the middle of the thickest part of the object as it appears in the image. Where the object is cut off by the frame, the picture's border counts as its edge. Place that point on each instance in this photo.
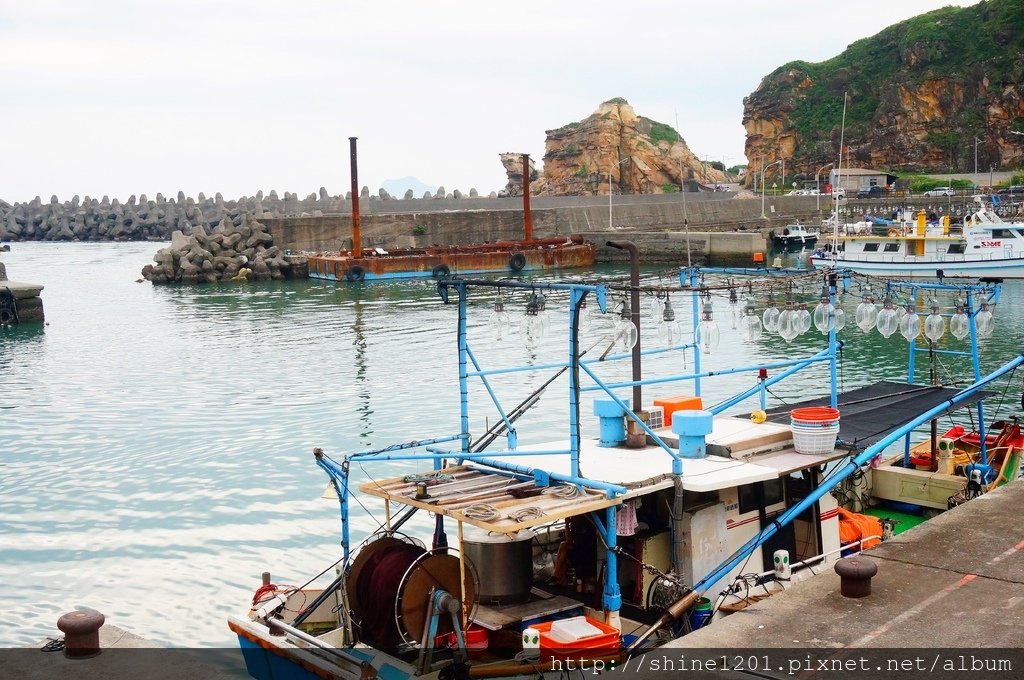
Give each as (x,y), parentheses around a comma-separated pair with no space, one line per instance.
(156,442)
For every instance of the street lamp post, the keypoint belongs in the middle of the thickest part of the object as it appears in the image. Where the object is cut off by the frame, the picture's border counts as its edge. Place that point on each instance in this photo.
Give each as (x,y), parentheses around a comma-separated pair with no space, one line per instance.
(817,183)
(610,190)
(763,170)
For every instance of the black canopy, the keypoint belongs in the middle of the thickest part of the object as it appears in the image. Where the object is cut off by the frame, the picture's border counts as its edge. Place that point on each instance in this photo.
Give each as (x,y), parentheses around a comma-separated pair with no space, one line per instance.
(867,414)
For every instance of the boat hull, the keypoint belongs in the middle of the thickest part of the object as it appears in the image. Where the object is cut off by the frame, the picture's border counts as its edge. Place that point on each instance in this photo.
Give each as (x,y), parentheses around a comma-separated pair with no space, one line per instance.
(501,257)
(1010,268)
(795,242)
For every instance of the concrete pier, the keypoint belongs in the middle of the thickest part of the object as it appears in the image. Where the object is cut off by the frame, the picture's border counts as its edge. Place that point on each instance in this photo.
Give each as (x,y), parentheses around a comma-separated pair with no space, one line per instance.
(123,656)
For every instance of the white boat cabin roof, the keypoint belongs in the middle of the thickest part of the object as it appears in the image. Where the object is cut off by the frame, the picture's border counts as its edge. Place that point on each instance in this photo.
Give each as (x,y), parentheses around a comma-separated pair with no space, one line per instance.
(739,453)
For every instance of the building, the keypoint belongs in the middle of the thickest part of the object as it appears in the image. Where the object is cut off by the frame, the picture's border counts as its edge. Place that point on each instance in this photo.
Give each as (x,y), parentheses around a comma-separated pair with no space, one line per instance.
(852,179)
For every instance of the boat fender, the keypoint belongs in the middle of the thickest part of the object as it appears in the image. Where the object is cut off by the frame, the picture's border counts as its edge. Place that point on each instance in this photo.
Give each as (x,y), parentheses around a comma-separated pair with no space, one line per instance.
(355,273)
(8,307)
(785,232)
(517,262)
(440,271)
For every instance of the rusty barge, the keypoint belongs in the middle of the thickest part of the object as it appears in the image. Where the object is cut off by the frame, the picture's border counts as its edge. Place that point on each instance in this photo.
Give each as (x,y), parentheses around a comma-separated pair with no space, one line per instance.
(509,257)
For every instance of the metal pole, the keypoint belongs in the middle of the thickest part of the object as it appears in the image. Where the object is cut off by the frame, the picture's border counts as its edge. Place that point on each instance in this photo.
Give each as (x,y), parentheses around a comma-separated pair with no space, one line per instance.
(527,220)
(634,301)
(357,245)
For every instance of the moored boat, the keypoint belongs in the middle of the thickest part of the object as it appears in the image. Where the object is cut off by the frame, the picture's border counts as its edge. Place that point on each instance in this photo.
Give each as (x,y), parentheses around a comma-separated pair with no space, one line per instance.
(982,246)
(794,236)
(359,264)
(650,525)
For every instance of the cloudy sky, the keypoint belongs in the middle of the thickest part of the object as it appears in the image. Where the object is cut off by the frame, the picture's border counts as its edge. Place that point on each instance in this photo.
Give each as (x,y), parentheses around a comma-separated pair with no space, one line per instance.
(124,97)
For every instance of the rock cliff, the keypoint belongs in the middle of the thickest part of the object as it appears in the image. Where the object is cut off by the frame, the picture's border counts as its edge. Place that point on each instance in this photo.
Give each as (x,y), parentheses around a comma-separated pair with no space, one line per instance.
(924,95)
(641,156)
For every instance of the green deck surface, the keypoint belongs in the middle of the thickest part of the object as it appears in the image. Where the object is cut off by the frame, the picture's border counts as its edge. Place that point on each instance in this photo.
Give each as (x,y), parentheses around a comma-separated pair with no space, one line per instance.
(904,521)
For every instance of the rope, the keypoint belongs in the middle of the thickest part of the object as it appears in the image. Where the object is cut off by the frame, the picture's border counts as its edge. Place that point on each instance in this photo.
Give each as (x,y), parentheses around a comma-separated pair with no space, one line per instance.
(532,512)
(481,511)
(54,645)
(563,491)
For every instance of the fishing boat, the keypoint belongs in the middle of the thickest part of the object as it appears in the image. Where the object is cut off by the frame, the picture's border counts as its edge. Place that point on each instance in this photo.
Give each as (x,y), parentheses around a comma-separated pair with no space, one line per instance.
(982,246)
(794,236)
(358,264)
(641,523)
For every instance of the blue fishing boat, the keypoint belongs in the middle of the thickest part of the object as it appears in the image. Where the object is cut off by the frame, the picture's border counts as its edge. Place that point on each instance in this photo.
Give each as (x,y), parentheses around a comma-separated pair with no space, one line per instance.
(638,525)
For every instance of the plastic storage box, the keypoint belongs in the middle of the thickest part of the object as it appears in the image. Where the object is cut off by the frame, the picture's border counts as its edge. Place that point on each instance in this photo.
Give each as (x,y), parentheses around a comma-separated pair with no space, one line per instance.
(579,637)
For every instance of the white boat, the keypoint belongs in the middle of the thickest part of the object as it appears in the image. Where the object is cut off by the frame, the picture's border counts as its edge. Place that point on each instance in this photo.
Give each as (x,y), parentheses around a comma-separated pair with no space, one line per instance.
(983,246)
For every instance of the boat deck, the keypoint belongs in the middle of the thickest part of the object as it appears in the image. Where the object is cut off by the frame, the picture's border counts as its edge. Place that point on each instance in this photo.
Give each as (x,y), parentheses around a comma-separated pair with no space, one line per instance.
(740,452)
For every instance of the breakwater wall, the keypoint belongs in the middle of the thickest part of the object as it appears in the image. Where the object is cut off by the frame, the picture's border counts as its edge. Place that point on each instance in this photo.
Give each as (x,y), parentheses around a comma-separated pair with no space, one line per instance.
(667,228)
(439,220)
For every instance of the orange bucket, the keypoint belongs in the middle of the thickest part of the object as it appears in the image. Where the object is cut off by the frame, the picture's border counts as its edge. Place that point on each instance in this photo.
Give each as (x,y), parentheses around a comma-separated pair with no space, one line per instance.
(814,414)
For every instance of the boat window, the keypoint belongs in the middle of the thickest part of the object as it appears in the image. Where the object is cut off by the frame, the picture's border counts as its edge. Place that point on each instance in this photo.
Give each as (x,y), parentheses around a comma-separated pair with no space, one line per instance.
(892,247)
(870,247)
(956,249)
(748,495)
(1002,233)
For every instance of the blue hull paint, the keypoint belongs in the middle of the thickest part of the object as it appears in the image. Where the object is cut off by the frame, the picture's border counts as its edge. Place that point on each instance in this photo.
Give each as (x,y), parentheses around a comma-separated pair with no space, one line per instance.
(263,664)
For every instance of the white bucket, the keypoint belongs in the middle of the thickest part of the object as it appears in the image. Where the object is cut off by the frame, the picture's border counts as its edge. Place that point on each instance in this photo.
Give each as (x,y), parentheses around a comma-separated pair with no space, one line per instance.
(815,437)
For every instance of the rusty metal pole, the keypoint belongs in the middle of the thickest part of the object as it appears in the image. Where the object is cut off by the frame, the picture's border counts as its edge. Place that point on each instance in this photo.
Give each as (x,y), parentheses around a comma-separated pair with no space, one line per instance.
(357,245)
(634,302)
(527,221)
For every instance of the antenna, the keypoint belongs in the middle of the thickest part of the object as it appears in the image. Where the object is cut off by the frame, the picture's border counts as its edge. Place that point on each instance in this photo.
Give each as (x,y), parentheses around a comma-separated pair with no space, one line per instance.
(682,187)
(839,177)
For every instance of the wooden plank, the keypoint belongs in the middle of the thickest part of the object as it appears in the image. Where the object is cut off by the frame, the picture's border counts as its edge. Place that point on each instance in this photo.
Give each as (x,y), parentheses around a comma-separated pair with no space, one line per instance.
(496,617)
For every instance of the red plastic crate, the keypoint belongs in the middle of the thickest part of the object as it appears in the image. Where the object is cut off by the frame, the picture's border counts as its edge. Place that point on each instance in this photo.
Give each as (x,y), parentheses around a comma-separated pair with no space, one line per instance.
(606,642)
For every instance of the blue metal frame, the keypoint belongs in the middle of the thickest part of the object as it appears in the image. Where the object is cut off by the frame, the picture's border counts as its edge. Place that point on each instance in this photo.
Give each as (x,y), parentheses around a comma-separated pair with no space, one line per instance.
(991,295)
(498,460)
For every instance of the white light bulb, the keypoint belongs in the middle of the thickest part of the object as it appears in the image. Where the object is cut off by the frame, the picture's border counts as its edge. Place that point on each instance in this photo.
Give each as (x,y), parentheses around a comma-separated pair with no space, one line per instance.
(984,322)
(934,325)
(626,334)
(887,321)
(910,324)
(770,318)
(840,318)
(657,309)
(750,325)
(803,319)
(787,323)
(670,333)
(867,314)
(532,325)
(707,335)
(959,324)
(499,321)
(824,316)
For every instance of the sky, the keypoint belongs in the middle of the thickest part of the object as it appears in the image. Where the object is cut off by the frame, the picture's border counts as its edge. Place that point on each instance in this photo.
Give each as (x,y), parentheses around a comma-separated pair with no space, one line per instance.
(121,97)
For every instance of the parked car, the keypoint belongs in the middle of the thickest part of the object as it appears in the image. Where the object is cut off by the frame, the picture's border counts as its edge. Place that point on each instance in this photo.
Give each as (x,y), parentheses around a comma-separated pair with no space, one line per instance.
(839,192)
(870,192)
(1016,189)
(939,191)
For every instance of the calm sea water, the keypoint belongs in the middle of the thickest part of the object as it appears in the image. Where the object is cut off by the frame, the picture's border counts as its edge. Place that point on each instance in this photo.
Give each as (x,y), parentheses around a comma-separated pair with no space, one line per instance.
(155,442)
